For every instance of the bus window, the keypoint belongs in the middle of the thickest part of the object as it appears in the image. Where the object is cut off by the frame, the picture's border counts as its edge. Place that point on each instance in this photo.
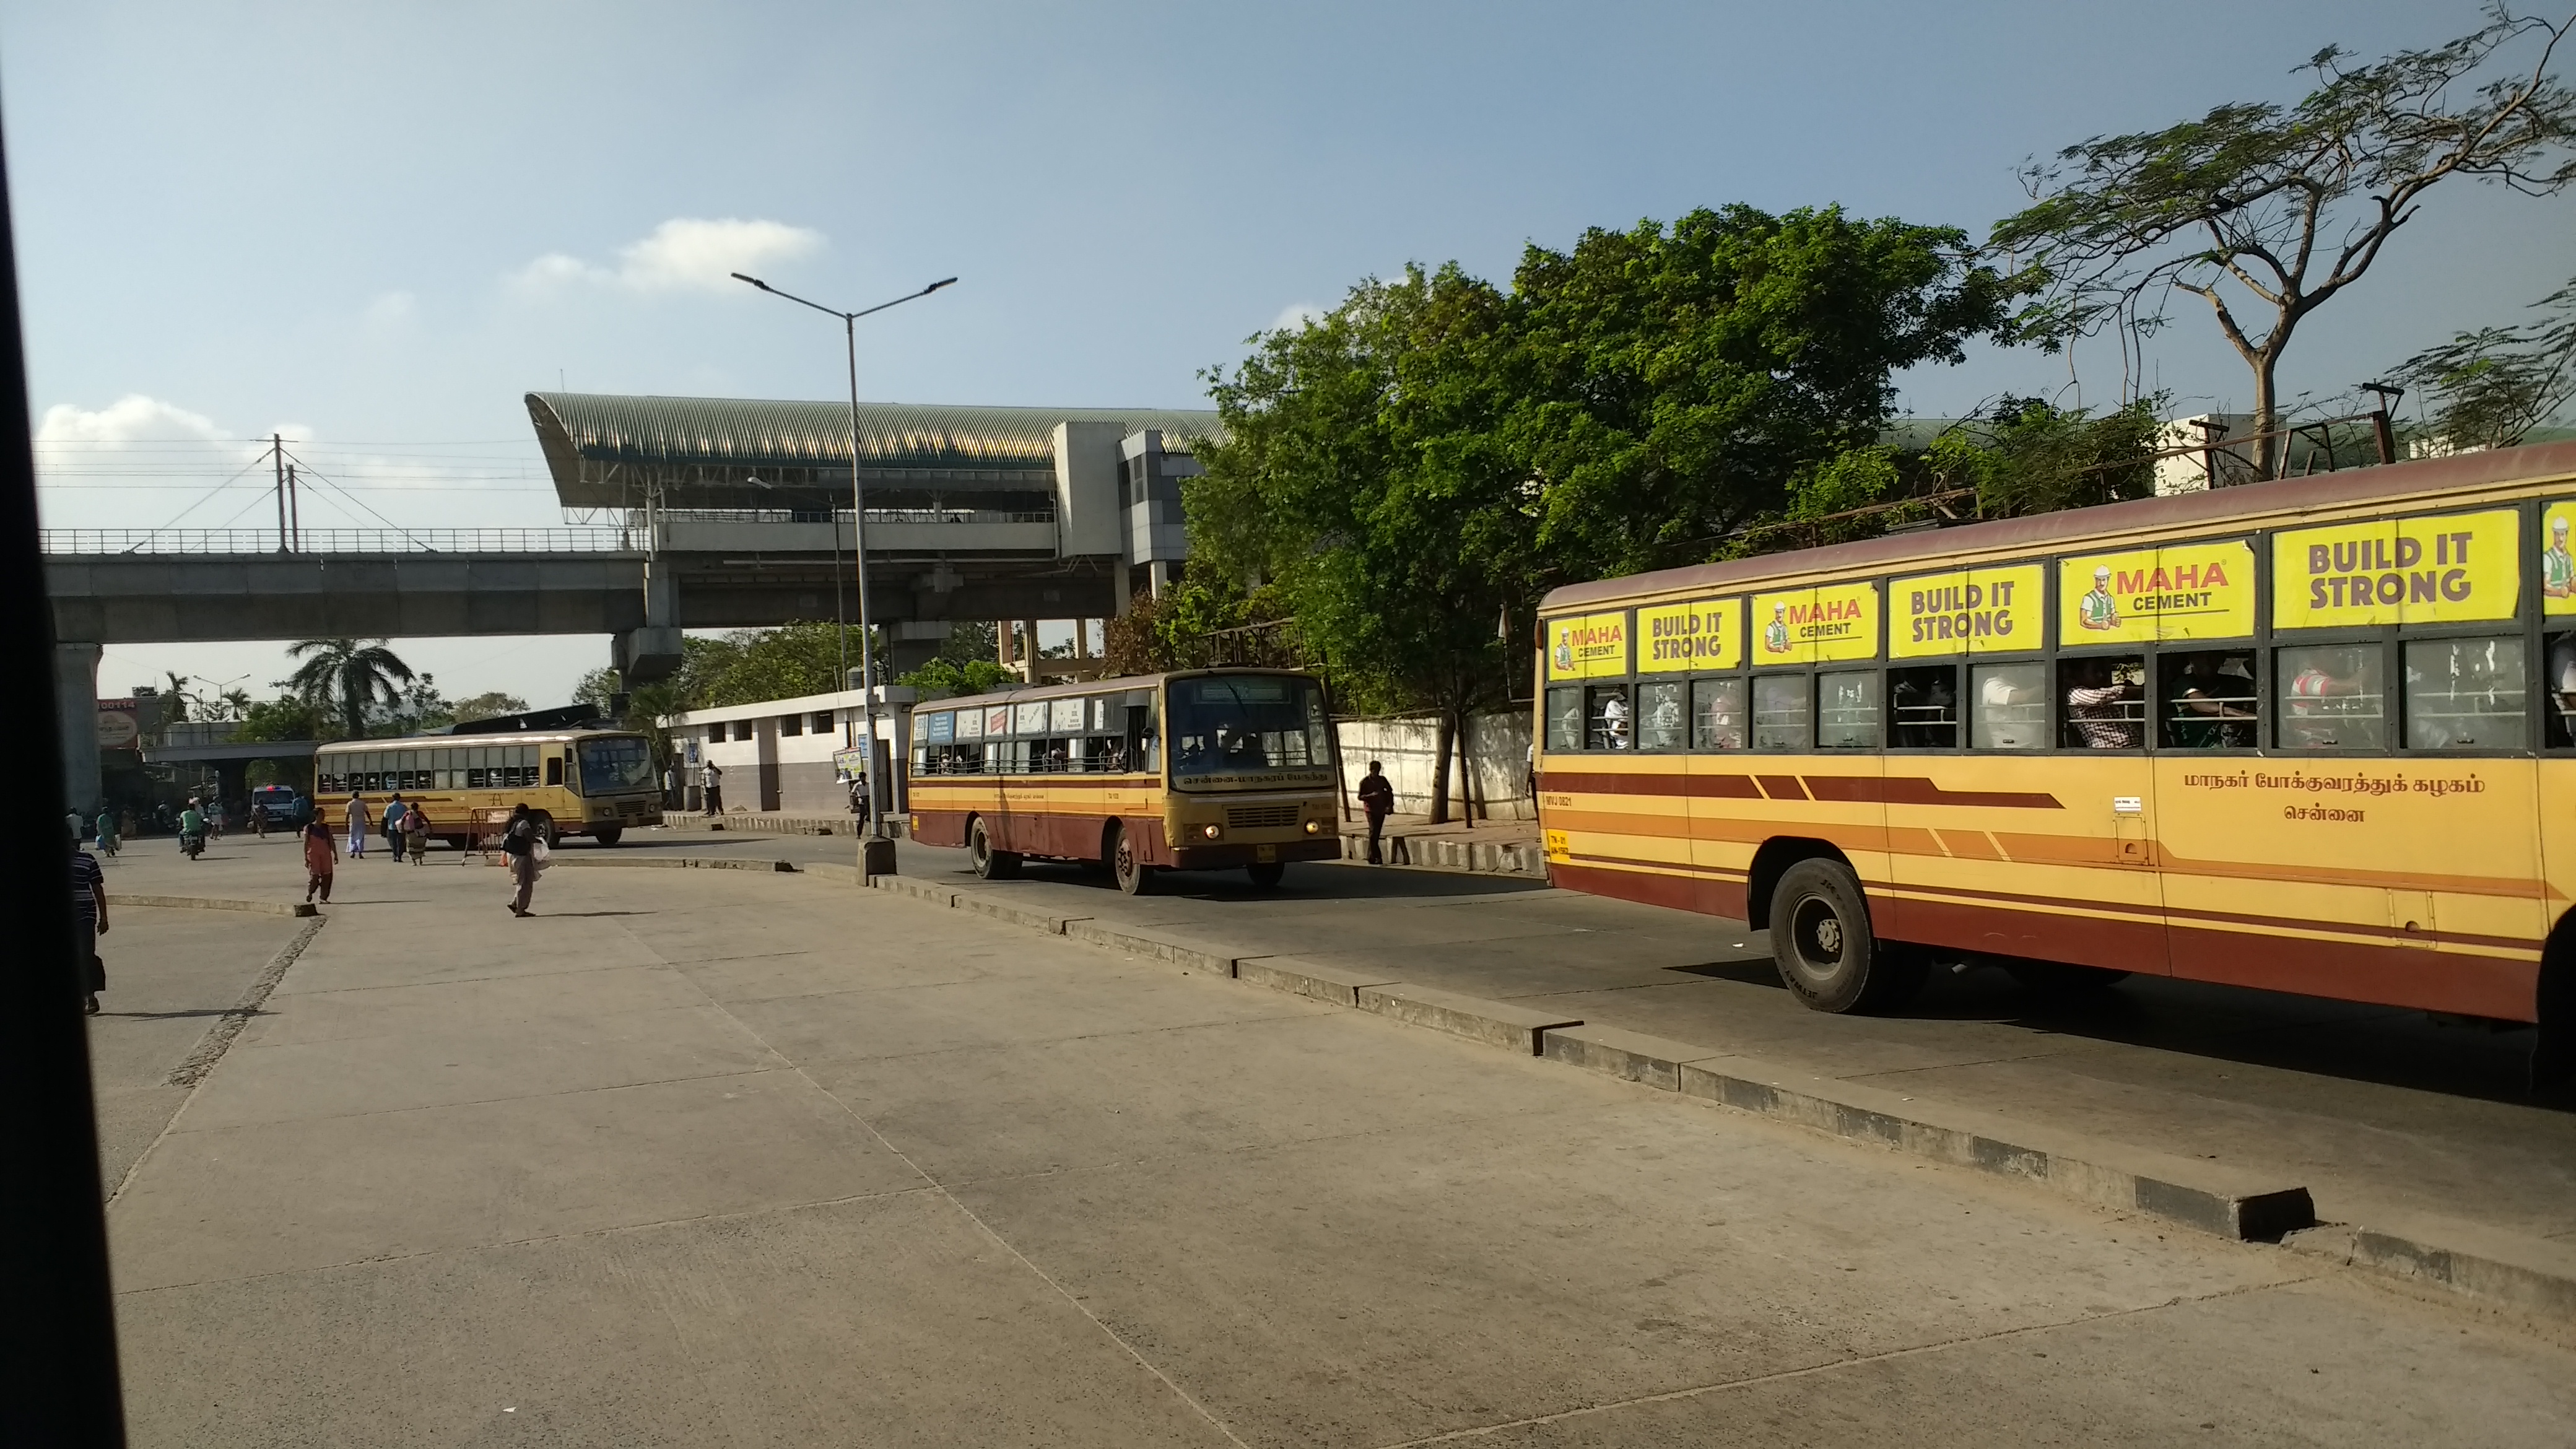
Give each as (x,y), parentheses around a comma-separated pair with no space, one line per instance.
(1847,709)
(1780,712)
(1605,717)
(1144,735)
(2561,677)
(1717,714)
(2330,697)
(2464,694)
(1923,707)
(2012,706)
(1662,721)
(2209,700)
(554,768)
(1565,718)
(2105,702)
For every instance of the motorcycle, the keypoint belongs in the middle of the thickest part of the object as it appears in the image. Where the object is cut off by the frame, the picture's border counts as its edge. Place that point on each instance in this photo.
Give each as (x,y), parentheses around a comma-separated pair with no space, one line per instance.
(193,843)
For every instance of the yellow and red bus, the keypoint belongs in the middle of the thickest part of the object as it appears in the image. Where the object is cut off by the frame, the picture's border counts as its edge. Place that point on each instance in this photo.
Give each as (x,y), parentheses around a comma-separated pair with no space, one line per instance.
(592,782)
(2311,735)
(1197,770)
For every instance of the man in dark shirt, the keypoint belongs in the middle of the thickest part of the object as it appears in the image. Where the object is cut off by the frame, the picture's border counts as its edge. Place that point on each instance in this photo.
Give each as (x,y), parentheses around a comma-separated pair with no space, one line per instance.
(1377,797)
(89,922)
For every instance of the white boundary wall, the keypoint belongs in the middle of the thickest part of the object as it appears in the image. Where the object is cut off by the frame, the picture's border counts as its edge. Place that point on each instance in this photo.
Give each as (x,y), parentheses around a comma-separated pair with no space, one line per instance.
(1497,750)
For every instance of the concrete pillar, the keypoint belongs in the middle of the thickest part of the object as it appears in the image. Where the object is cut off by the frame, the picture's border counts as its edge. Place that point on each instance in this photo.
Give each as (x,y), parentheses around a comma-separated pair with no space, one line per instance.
(1157,574)
(1121,584)
(1029,647)
(76,698)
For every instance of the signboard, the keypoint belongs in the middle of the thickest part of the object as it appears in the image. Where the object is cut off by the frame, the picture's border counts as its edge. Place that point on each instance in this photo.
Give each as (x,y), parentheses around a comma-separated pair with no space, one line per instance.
(1967,611)
(939,729)
(689,752)
(1702,634)
(2180,591)
(1587,646)
(997,721)
(2442,569)
(117,729)
(970,724)
(850,764)
(1064,716)
(2557,562)
(1030,718)
(1807,626)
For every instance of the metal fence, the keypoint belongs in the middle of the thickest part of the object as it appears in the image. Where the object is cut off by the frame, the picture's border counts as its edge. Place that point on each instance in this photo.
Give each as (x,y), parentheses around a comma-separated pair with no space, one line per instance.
(341,540)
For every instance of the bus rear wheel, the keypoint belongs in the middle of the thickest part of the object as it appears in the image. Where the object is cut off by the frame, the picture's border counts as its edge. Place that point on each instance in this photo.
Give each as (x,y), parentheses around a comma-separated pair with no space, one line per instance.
(1134,876)
(1821,942)
(989,863)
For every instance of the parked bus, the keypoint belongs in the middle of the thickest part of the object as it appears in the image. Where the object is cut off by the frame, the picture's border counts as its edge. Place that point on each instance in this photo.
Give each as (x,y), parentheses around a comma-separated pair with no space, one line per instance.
(1205,770)
(2311,735)
(597,783)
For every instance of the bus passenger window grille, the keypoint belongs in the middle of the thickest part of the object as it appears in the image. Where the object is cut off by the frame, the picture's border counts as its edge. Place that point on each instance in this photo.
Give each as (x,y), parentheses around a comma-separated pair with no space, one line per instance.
(2105,702)
(2465,694)
(2209,700)
(2330,697)
(1923,707)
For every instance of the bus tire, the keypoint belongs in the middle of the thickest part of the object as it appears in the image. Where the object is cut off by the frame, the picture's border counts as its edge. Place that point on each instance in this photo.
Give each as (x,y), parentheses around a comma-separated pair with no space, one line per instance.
(990,864)
(1266,875)
(608,834)
(1821,941)
(1134,876)
(546,830)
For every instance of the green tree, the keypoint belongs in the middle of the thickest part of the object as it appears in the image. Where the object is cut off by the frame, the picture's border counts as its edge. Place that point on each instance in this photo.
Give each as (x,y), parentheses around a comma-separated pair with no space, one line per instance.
(1670,384)
(2492,386)
(750,665)
(943,675)
(355,677)
(2265,213)
(287,717)
(490,704)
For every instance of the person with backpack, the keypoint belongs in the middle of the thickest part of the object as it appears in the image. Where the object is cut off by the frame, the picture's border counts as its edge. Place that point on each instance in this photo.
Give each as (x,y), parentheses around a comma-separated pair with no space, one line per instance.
(1377,797)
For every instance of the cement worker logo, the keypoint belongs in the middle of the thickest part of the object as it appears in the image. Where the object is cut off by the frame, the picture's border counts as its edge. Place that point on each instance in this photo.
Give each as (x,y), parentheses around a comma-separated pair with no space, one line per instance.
(2557,565)
(1775,635)
(2095,609)
(1563,653)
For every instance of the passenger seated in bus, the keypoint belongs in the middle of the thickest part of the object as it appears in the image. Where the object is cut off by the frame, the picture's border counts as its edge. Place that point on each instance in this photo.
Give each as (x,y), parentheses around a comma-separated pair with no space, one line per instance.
(2562,689)
(2211,706)
(2098,701)
(1614,722)
(1925,709)
(2317,722)
(1240,748)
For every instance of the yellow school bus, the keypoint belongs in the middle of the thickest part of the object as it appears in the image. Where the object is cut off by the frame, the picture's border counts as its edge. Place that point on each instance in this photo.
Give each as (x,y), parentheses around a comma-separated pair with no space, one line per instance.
(1199,770)
(597,783)
(2310,735)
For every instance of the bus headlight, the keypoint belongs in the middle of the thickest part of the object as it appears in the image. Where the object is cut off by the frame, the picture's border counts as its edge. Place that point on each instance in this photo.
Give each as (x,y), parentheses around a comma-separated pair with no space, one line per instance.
(1314,827)
(1211,832)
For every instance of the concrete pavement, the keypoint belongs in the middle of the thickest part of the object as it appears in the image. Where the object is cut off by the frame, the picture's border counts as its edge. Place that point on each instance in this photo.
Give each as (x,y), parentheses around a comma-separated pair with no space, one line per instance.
(713,1157)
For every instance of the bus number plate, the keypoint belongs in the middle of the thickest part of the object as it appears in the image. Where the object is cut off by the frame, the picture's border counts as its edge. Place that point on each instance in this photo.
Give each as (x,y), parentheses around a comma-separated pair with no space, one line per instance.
(1265,854)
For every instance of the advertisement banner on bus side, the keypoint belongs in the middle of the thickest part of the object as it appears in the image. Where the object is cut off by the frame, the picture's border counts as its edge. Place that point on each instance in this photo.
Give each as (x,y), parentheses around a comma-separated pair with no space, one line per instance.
(2201,590)
(1702,634)
(2445,568)
(1967,611)
(2557,562)
(1808,626)
(1588,646)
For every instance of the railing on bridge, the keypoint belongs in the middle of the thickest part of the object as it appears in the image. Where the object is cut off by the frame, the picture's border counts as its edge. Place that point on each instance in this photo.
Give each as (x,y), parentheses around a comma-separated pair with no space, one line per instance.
(343,540)
(875,515)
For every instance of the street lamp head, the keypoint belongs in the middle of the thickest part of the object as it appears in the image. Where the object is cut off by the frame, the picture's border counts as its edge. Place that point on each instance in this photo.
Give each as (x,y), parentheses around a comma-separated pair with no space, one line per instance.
(755,281)
(935,286)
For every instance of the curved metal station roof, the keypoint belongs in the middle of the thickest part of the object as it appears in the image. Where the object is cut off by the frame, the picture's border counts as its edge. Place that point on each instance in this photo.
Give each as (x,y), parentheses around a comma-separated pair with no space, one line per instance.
(602,448)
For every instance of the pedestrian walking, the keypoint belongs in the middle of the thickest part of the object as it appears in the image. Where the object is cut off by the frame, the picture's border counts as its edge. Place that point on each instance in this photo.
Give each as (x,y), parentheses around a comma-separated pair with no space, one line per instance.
(395,825)
(89,922)
(715,789)
(321,855)
(524,845)
(357,826)
(416,833)
(1377,797)
(109,841)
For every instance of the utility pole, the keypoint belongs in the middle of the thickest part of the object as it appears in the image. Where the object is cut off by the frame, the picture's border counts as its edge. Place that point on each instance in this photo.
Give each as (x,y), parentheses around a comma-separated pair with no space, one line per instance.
(294,510)
(277,461)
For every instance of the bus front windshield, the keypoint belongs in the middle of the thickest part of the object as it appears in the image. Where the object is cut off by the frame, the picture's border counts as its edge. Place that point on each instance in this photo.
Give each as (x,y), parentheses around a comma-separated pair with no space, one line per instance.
(1228,727)
(613,767)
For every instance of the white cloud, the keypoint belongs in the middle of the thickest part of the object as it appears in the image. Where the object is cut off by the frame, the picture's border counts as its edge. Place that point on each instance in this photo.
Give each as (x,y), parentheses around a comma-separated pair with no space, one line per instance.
(1297,316)
(391,309)
(683,254)
(131,418)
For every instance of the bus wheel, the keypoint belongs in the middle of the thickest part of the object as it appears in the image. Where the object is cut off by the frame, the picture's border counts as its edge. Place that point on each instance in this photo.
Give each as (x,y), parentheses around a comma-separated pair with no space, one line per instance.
(1135,877)
(546,830)
(989,863)
(1267,875)
(1821,941)
(609,834)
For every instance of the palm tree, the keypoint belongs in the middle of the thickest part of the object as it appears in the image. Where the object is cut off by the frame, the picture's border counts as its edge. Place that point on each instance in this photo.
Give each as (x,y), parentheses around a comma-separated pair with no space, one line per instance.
(234,704)
(355,675)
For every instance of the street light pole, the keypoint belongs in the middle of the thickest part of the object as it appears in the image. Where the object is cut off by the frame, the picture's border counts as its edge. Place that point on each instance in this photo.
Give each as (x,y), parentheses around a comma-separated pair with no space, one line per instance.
(880,789)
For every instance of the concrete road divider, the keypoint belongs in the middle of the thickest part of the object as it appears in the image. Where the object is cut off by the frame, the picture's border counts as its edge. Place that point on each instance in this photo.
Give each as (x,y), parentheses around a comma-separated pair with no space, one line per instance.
(1296,974)
(214,903)
(1499,1023)
(1183,954)
(675,862)
(2534,1276)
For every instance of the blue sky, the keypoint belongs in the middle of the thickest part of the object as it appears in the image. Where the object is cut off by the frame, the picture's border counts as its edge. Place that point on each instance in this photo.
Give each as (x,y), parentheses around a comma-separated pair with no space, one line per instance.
(378,226)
